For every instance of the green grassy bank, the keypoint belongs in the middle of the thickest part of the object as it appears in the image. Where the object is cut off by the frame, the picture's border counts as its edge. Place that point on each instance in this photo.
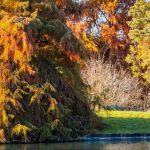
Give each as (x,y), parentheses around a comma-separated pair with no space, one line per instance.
(125,121)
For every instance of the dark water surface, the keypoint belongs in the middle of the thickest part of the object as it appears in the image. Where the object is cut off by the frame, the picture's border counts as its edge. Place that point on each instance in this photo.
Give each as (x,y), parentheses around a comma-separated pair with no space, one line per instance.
(80,146)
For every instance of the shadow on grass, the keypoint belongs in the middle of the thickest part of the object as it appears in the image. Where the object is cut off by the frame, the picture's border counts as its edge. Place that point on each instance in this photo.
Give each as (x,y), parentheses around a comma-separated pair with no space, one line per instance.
(126,125)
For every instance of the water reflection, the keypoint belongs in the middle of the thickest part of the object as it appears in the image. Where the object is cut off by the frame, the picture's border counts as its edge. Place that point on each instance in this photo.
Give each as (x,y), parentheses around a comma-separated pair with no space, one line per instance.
(80,146)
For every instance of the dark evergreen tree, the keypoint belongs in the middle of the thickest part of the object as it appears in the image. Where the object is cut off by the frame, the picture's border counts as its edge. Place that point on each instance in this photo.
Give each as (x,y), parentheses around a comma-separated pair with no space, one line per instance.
(41,93)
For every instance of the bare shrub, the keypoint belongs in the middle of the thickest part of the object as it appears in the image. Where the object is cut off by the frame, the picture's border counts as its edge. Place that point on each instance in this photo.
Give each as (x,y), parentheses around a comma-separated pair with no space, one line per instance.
(109,87)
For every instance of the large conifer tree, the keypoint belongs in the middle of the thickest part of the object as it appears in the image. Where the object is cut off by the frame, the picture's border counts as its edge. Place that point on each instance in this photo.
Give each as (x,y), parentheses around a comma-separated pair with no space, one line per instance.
(41,96)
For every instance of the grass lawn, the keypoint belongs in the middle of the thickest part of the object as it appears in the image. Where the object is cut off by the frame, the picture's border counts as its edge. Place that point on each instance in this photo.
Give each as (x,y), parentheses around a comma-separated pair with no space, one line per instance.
(125,121)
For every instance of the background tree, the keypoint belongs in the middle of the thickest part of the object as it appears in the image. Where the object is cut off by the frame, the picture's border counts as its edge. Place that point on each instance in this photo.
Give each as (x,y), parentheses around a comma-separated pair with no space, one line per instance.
(105,26)
(139,56)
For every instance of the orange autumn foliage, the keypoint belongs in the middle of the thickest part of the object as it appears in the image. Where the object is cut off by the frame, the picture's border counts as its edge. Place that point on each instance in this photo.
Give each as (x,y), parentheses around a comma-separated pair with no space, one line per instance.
(17,43)
(74,57)
(108,19)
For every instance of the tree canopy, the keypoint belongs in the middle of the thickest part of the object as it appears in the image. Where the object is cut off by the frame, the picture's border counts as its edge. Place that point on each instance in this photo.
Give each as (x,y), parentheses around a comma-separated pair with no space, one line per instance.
(139,56)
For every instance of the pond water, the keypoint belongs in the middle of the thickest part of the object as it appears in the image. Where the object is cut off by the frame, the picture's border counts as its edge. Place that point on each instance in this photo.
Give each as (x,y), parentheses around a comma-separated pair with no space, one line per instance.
(79,146)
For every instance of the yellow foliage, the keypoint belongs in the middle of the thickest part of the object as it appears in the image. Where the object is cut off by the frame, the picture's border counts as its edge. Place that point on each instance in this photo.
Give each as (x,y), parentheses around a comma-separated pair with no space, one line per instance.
(140,59)
(89,43)
(139,55)
(4,118)
(4,101)
(80,33)
(16,43)
(38,94)
(53,104)
(15,103)
(27,68)
(14,5)
(21,130)
(2,135)
(109,6)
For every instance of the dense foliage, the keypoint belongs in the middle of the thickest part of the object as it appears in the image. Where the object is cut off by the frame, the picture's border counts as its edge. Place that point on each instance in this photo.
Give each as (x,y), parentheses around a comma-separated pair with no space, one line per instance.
(105,21)
(41,96)
(139,56)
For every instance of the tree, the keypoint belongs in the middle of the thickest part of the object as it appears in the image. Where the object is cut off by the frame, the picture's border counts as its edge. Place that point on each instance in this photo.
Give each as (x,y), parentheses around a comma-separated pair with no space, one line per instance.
(104,23)
(41,95)
(139,56)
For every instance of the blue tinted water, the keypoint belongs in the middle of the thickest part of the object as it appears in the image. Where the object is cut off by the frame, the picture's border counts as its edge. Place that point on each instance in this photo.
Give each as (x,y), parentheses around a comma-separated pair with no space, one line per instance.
(80,146)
